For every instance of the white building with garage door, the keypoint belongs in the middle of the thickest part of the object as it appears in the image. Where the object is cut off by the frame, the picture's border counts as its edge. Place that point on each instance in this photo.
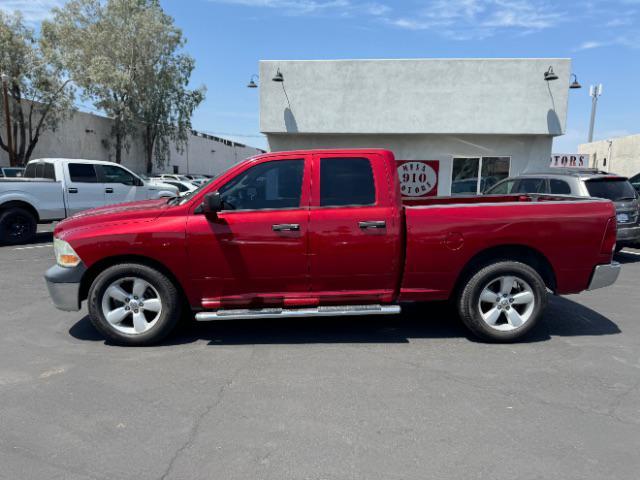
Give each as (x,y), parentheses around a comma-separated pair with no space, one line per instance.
(467,122)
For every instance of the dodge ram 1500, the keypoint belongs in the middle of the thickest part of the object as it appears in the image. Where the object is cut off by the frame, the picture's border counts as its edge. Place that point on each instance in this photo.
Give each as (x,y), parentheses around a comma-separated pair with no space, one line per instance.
(326,232)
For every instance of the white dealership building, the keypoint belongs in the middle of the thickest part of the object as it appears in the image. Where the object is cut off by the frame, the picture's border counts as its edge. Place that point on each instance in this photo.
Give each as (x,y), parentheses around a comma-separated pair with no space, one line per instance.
(472,121)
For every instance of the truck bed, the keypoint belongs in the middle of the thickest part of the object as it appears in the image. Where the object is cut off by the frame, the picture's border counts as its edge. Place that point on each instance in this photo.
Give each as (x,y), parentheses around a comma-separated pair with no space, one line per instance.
(484,199)
(443,234)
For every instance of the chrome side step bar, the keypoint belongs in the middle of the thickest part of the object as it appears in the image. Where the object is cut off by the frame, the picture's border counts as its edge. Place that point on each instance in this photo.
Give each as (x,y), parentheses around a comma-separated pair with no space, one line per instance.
(328,311)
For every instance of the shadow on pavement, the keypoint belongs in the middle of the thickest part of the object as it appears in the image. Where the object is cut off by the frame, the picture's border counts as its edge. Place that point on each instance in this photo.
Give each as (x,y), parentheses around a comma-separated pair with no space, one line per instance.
(563,317)
(627,256)
(43,237)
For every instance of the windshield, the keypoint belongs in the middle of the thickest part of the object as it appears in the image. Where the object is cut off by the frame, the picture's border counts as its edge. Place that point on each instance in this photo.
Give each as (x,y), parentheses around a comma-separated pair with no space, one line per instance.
(614,189)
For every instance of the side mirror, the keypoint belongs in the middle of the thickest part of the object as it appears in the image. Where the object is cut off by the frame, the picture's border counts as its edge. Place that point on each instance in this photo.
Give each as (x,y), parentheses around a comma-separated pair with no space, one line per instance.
(212,203)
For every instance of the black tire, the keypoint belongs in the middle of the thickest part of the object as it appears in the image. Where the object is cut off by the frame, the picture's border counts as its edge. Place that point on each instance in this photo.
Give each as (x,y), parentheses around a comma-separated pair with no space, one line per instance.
(468,301)
(17,225)
(168,293)
(619,248)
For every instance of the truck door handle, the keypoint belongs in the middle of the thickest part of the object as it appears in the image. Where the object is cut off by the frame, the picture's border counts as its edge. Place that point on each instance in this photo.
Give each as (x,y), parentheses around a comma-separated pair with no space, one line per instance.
(108,190)
(283,227)
(73,190)
(372,224)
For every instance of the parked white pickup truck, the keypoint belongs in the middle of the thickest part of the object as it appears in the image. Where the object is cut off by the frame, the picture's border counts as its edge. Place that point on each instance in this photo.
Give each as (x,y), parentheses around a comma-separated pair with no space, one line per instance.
(55,188)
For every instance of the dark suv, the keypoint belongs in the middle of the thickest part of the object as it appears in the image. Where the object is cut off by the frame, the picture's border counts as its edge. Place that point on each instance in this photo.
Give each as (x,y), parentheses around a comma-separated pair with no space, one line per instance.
(584,183)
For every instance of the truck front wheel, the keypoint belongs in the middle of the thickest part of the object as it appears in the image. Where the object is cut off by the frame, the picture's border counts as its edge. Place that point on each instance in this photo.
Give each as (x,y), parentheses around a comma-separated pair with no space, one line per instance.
(133,304)
(17,225)
(502,301)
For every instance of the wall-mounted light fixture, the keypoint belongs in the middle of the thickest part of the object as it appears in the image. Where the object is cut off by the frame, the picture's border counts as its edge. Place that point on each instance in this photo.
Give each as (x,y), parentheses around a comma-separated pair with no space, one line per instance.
(550,75)
(278,77)
(575,83)
(252,83)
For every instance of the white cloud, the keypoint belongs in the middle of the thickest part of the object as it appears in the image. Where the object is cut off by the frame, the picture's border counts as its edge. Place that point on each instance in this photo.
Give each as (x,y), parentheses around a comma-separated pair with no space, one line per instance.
(315,7)
(628,40)
(589,45)
(619,22)
(611,20)
(476,19)
(33,11)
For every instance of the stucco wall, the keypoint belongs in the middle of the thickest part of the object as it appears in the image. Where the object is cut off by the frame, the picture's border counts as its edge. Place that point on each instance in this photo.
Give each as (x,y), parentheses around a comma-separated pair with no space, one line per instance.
(86,135)
(450,96)
(528,152)
(622,154)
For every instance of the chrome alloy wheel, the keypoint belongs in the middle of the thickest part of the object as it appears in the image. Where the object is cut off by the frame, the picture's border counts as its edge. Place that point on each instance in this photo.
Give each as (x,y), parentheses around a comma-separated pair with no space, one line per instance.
(131,305)
(506,303)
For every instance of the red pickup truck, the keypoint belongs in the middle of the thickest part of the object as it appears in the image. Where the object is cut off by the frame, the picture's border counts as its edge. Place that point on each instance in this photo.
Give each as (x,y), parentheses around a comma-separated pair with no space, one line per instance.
(326,232)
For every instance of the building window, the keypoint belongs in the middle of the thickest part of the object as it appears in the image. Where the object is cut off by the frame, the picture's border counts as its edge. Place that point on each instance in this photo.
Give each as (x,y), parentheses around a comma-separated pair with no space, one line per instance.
(473,175)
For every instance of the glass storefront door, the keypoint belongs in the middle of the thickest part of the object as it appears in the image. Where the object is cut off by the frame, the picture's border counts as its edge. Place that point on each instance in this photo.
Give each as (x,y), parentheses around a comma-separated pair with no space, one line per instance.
(473,175)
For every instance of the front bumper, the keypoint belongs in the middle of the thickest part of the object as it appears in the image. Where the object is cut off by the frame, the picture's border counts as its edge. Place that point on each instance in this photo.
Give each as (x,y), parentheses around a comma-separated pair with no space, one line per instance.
(604,275)
(64,286)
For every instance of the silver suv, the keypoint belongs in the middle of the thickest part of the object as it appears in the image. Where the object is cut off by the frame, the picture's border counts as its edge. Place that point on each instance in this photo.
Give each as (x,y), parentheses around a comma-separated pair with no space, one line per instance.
(584,183)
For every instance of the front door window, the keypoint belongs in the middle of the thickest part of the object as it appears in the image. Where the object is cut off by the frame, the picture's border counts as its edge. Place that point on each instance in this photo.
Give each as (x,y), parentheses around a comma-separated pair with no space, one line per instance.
(267,186)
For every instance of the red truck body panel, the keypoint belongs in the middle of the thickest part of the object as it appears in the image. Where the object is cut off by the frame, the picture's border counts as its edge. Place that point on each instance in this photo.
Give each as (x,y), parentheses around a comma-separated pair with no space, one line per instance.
(238,259)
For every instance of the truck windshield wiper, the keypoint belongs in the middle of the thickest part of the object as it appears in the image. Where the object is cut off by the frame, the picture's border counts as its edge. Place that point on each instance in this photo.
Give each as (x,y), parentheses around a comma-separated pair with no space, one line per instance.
(625,198)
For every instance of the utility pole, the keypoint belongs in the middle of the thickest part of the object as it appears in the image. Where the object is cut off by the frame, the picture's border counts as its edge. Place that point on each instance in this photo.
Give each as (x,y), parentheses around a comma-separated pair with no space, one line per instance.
(594,91)
(7,119)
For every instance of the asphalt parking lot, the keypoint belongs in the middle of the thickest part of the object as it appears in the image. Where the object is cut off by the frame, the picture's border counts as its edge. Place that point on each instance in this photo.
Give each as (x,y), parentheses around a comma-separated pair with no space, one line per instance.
(407,397)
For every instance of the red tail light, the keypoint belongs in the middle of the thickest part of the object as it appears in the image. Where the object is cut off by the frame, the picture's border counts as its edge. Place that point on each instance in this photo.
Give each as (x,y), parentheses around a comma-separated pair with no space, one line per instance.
(609,240)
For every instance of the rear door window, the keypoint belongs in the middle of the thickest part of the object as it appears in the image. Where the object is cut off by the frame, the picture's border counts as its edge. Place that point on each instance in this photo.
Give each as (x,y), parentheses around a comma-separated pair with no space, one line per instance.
(502,188)
(82,173)
(614,189)
(559,187)
(530,185)
(346,181)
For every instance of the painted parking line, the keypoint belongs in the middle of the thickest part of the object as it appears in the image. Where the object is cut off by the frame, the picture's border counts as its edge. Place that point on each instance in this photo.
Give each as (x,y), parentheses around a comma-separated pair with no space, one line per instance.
(42,245)
(626,252)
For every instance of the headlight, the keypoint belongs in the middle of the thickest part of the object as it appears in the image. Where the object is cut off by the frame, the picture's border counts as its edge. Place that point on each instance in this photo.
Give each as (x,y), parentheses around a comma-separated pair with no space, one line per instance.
(65,255)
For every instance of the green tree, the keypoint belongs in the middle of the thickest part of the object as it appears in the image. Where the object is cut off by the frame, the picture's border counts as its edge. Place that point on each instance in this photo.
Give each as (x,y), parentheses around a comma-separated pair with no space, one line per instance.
(38,94)
(162,101)
(125,55)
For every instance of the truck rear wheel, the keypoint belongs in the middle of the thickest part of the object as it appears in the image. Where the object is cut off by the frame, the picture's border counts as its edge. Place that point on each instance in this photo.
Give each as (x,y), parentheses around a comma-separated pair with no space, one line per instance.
(133,304)
(502,301)
(17,225)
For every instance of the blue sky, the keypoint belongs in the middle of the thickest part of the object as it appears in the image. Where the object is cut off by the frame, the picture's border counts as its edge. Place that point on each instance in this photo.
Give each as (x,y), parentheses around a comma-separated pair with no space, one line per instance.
(229,37)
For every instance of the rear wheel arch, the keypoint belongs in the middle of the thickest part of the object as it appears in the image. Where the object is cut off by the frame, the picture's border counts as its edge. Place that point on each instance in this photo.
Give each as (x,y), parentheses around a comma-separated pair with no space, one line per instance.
(20,204)
(510,252)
